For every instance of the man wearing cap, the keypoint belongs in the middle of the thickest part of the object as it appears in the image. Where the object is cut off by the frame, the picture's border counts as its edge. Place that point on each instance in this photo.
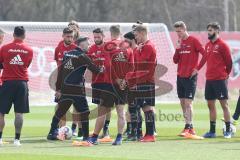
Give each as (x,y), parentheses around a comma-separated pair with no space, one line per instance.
(70,87)
(15,57)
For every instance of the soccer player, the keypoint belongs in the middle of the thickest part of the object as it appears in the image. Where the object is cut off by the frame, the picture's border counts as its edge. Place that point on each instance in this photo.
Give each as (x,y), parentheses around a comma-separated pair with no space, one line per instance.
(145,62)
(109,91)
(64,47)
(186,57)
(96,52)
(219,66)
(73,25)
(70,87)
(136,112)
(76,29)
(115,34)
(98,55)
(16,58)
(122,61)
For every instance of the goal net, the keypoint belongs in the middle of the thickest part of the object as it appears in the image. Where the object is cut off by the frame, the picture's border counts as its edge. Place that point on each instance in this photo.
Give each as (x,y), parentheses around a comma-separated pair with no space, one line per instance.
(43,37)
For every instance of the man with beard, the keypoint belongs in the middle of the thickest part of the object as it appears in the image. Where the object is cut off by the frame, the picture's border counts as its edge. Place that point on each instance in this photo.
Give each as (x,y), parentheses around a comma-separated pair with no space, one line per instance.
(66,45)
(219,66)
(116,62)
(99,81)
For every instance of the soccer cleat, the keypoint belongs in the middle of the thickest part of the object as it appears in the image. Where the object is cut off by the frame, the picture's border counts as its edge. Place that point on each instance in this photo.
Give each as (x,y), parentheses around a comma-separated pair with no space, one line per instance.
(93,140)
(53,136)
(227,135)
(184,132)
(233,126)
(148,138)
(192,131)
(209,135)
(17,143)
(118,141)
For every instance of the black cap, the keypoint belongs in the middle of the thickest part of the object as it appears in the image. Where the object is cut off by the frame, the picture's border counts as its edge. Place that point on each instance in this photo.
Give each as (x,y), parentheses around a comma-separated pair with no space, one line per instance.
(19,31)
(81,39)
(129,35)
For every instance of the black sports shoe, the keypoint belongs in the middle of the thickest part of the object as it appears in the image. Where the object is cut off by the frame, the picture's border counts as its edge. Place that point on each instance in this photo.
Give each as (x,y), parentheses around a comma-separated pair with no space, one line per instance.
(52,136)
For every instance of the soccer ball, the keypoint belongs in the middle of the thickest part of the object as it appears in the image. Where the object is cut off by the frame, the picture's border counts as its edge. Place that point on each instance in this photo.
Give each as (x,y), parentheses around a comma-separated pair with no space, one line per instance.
(233,129)
(65,132)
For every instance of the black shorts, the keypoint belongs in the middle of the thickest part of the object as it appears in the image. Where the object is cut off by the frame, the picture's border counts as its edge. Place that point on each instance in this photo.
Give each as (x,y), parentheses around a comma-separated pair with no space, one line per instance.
(14,92)
(79,102)
(186,87)
(103,94)
(147,100)
(216,89)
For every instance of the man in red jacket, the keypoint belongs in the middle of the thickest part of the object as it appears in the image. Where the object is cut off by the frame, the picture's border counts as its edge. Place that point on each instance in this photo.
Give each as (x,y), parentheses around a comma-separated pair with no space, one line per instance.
(186,56)
(142,80)
(121,63)
(117,60)
(219,66)
(66,45)
(16,57)
(100,81)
